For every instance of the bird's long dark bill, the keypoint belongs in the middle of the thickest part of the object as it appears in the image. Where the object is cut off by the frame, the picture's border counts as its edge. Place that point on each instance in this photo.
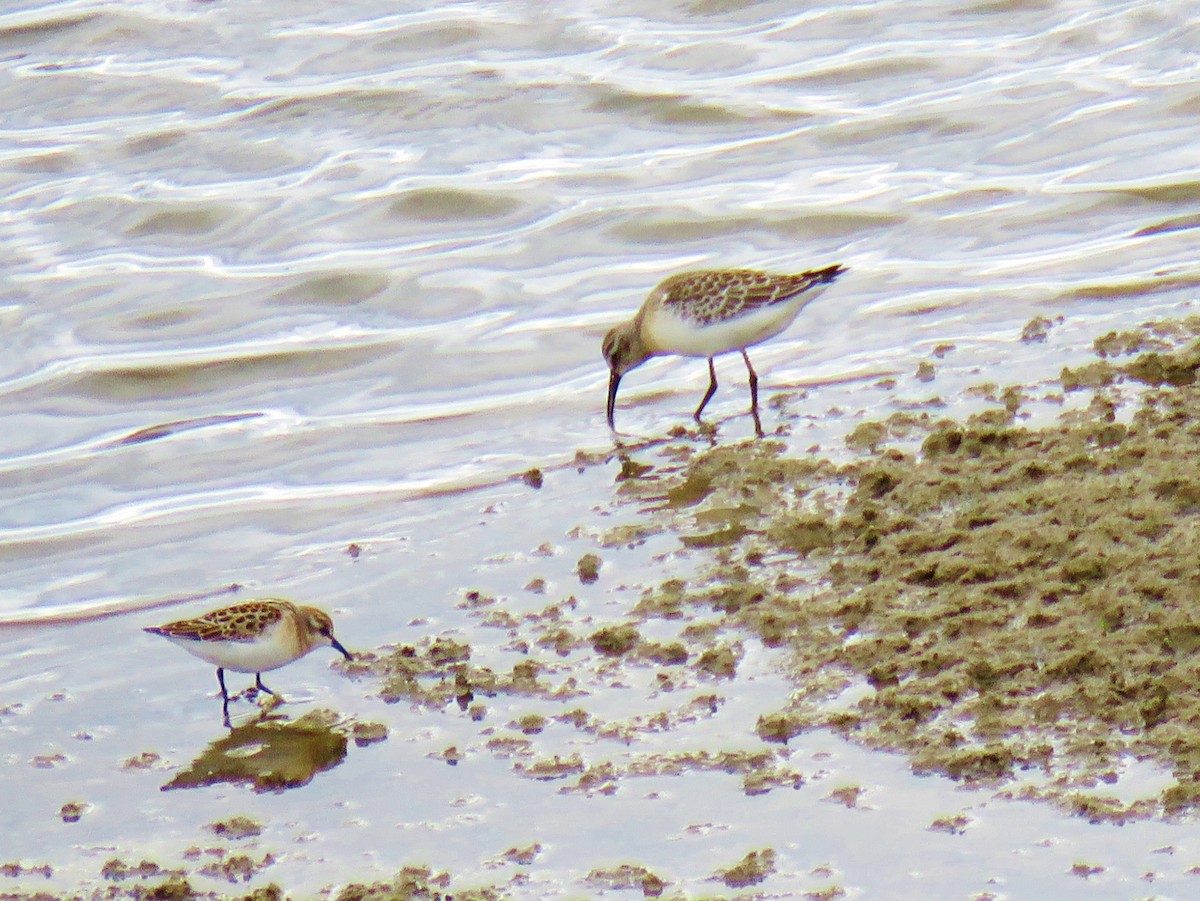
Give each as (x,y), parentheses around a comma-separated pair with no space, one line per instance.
(337,646)
(613,380)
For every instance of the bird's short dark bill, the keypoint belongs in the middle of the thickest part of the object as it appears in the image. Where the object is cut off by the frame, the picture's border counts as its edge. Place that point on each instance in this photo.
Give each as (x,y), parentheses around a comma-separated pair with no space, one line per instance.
(613,380)
(337,646)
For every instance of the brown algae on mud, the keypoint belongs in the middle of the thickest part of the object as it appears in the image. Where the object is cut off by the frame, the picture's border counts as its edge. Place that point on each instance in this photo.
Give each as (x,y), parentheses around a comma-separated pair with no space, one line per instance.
(1009,598)
(752,869)
(628,876)
(438,672)
(147,881)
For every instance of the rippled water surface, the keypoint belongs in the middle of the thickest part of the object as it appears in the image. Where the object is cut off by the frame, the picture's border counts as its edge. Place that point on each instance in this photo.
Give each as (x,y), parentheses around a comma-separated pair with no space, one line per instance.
(281,278)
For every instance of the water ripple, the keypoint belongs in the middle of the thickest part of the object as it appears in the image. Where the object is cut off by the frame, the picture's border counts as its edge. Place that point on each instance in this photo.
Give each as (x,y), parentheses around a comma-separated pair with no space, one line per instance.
(394,239)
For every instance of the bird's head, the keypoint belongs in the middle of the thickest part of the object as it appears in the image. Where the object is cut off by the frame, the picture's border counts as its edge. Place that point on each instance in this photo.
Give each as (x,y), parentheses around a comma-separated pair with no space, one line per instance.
(623,350)
(320,630)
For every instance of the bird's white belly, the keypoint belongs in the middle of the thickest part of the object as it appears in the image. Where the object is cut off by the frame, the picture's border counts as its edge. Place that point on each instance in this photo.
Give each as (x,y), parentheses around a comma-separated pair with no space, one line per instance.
(668,333)
(243,656)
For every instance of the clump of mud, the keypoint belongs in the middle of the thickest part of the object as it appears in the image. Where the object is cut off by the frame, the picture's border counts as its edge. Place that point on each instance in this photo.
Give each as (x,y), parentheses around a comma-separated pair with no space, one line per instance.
(418,884)
(1009,598)
(628,876)
(752,869)
(147,881)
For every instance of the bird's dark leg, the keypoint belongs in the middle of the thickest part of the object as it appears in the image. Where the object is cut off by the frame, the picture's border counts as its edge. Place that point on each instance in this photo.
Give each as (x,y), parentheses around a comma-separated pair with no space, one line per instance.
(258,683)
(224,697)
(712,389)
(753,394)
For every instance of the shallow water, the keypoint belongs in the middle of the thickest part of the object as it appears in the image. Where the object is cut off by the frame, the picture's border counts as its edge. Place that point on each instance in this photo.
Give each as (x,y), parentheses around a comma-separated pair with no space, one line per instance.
(280,280)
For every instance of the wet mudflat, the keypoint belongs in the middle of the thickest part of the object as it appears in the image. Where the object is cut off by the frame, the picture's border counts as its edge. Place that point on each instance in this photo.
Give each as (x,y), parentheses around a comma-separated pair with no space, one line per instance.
(879,594)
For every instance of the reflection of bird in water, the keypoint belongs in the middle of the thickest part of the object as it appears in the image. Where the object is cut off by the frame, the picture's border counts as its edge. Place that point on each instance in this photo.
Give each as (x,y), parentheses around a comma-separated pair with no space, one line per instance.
(252,637)
(711,312)
(269,755)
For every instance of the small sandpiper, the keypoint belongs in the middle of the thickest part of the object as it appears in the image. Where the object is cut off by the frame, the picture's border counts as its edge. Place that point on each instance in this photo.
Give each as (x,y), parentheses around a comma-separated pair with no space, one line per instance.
(252,637)
(711,312)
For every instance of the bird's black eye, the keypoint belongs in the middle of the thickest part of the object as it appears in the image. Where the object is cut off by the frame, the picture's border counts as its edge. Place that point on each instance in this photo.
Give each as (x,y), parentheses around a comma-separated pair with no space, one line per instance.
(320,628)
(615,351)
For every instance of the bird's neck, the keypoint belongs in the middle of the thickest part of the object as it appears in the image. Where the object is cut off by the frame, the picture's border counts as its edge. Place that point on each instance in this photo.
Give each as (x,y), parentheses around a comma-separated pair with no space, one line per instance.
(640,349)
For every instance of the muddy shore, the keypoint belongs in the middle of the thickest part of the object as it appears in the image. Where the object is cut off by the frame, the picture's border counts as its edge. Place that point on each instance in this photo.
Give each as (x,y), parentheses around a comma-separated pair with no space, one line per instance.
(1009,606)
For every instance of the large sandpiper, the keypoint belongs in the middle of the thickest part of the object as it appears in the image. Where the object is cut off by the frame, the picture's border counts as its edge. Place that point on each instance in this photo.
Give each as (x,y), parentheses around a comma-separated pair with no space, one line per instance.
(710,312)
